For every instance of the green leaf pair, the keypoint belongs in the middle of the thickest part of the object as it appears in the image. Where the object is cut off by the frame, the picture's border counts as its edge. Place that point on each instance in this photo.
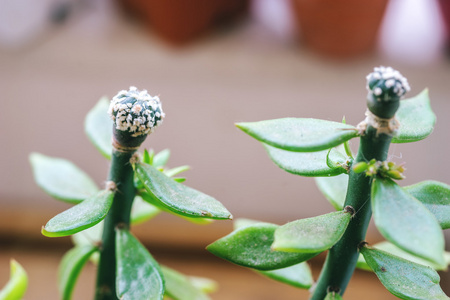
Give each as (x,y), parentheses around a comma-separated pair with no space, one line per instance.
(279,251)
(303,146)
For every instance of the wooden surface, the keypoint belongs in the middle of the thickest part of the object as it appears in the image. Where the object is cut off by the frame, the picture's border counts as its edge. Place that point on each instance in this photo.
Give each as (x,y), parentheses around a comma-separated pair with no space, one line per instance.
(235,282)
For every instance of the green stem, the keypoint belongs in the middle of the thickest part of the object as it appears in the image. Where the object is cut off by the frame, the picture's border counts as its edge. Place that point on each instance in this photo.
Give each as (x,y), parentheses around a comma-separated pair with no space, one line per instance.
(342,257)
(121,173)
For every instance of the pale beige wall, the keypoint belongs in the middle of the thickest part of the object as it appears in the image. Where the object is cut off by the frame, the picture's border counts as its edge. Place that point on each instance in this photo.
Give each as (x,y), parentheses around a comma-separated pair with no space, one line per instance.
(244,75)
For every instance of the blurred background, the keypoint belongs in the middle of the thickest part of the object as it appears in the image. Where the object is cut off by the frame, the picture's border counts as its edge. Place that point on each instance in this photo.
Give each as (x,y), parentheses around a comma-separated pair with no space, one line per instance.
(213,63)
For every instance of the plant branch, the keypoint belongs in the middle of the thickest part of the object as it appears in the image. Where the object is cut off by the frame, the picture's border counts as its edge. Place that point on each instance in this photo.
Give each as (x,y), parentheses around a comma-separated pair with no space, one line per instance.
(121,173)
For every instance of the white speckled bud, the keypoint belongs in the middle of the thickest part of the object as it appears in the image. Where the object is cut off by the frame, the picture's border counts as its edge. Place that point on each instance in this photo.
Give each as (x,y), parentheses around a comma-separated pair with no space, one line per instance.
(386,86)
(136,112)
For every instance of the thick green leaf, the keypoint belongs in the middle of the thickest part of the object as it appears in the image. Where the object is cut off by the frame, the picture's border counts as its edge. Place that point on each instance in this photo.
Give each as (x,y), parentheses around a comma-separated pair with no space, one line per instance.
(333,296)
(405,222)
(300,135)
(80,217)
(17,285)
(180,287)
(312,235)
(139,277)
(61,179)
(99,126)
(177,197)
(142,211)
(416,119)
(161,158)
(307,163)
(394,250)
(436,197)
(70,268)
(334,188)
(297,275)
(250,246)
(404,279)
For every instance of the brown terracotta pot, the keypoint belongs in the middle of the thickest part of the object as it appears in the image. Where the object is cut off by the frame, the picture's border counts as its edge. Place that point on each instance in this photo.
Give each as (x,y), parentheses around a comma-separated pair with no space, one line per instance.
(339,28)
(445,10)
(180,21)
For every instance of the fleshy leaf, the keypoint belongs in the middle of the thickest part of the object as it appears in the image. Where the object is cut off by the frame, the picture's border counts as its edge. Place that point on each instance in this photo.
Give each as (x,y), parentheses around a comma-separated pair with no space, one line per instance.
(405,222)
(177,197)
(307,163)
(297,275)
(250,246)
(161,158)
(436,198)
(180,287)
(61,179)
(312,235)
(300,135)
(142,211)
(404,279)
(17,285)
(82,216)
(334,189)
(416,119)
(333,296)
(70,268)
(99,127)
(138,276)
(394,250)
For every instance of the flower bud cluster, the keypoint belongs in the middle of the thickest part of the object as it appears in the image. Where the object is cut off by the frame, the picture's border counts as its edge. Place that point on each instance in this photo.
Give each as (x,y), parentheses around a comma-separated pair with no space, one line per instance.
(381,168)
(136,112)
(385,84)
